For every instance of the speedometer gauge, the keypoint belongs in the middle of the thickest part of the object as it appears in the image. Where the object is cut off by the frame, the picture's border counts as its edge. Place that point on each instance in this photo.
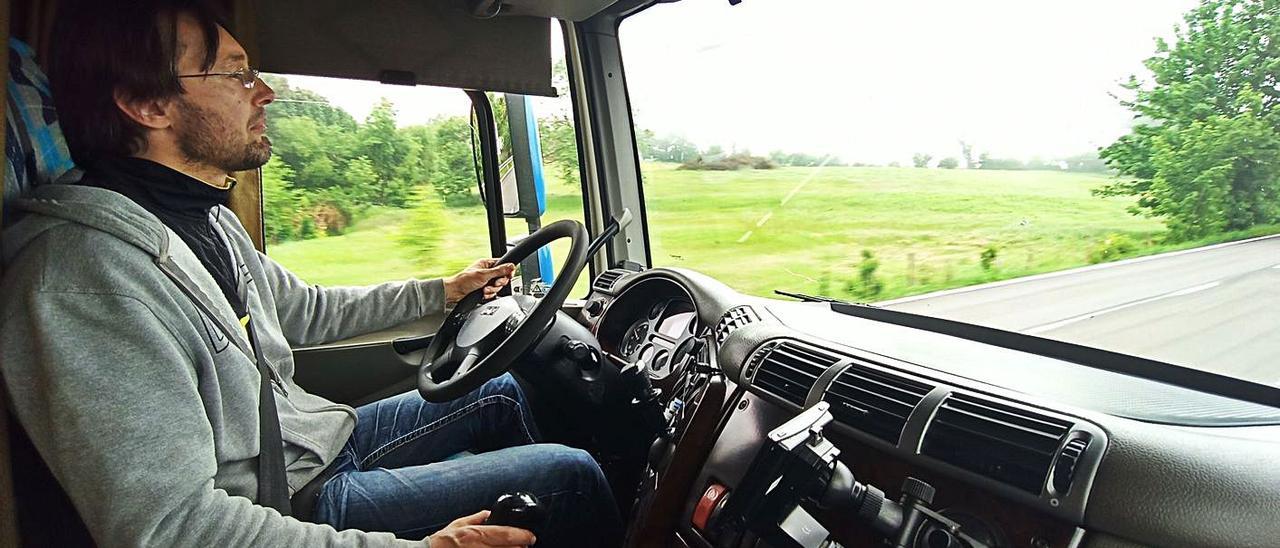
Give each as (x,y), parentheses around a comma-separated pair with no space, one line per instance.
(635,338)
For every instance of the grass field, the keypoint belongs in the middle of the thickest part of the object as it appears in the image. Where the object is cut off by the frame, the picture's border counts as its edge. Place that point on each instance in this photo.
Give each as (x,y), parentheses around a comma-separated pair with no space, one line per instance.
(807,228)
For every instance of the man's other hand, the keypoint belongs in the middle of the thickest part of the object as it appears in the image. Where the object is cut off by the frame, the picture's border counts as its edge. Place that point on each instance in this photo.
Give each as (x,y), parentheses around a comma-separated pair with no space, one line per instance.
(468,532)
(484,273)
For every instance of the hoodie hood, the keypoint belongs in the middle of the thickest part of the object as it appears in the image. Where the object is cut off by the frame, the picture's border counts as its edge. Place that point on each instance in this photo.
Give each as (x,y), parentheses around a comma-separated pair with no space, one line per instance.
(50,206)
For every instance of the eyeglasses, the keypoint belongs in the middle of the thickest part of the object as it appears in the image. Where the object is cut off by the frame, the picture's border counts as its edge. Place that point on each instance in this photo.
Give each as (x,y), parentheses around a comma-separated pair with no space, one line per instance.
(247,76)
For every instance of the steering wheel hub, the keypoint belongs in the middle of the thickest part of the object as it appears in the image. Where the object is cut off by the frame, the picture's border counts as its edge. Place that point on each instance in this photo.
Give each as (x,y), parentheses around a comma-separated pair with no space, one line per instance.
(503,313)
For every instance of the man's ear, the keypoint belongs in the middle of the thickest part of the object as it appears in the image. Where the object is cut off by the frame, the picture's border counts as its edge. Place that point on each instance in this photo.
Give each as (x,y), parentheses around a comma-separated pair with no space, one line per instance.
(151,113)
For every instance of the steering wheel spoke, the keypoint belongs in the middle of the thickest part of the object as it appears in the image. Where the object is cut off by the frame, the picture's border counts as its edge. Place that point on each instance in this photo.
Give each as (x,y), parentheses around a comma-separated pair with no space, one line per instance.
(469,362)
(438,357)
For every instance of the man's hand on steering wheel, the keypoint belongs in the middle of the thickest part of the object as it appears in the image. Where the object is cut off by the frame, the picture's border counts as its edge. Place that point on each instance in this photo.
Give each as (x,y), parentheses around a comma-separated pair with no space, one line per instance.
(469,531)
(486,273)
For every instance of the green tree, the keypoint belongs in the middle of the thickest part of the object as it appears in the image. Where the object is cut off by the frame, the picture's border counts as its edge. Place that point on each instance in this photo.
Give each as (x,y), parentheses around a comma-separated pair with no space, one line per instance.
(499,104)
(985,161)
(362,179)
(645,141)
(419,166)
(948,163)
(966,152)
(281,204)
(921,159)
(1204,153)
(559,143)
(1087,162)
(292,101)
(386,149)
(316,153)
(673,148)
(424,231)
(454,173)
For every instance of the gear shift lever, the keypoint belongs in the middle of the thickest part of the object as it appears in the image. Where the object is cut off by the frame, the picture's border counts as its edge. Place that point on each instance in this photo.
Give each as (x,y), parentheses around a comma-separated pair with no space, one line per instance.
(518,509)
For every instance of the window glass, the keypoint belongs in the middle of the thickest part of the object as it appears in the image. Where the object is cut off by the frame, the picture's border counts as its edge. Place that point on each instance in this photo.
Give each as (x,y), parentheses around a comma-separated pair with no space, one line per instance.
(885,152)
(370,182)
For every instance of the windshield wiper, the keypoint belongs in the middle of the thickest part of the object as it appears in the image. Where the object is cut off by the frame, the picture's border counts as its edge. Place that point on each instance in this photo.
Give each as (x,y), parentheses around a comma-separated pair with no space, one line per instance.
(815,298)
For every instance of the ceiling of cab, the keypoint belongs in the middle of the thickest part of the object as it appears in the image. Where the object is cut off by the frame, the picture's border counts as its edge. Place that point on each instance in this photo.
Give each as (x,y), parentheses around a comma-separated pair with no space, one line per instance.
(571,10)
(429,42)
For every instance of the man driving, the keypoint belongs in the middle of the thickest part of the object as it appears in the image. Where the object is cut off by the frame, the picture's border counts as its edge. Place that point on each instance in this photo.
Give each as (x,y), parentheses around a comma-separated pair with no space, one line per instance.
(145,343)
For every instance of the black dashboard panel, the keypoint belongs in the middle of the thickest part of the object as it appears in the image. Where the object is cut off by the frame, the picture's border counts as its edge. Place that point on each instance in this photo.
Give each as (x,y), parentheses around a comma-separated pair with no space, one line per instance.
(752,417)
(1050,453)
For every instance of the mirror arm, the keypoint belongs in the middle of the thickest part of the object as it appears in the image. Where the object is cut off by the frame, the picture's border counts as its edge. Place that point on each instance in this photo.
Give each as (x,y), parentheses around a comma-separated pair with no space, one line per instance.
(609,232)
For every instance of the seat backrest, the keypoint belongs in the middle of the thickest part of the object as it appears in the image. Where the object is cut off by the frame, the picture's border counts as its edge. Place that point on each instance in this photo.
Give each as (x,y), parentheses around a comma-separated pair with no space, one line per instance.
(35,150)
(35,154)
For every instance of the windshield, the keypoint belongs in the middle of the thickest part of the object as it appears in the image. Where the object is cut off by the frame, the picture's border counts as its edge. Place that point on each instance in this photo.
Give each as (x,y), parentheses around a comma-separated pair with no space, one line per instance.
(1101,173)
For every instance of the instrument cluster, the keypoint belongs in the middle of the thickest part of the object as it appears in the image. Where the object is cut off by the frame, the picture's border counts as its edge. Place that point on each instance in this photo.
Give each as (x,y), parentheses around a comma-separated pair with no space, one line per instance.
(655,339)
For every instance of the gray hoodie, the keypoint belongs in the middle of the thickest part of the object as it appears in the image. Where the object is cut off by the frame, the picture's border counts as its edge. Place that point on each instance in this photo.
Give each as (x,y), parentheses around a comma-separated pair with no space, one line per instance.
(136,382)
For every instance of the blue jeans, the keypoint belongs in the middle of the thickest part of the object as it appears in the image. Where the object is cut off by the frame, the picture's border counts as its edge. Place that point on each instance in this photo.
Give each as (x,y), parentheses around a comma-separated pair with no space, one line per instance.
(392,474)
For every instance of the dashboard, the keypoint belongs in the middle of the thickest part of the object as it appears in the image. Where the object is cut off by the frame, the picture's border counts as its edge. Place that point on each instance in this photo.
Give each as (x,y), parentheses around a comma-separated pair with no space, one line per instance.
(1022,450)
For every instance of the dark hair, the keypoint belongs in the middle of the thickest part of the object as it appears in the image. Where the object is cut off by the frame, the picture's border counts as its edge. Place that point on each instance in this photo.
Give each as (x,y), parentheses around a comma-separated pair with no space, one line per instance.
(131,46)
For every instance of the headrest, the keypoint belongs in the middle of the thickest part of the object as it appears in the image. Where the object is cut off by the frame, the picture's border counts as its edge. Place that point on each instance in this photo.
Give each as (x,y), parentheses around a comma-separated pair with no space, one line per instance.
(34,148)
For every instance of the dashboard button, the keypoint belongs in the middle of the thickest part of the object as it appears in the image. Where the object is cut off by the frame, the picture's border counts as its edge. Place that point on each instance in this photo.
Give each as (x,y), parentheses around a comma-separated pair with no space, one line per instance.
(710,497)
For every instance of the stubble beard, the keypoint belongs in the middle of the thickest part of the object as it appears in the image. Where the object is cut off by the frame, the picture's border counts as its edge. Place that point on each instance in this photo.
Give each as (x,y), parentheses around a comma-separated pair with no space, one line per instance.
(207,139)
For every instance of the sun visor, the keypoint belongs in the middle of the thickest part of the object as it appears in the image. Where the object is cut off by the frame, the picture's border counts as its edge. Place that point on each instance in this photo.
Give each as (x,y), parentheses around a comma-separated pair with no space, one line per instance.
(405,42)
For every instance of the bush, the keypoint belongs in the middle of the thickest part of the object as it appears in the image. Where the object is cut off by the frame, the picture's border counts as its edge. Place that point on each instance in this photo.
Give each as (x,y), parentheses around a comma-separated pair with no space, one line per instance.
(824,283)
(988,258)
(729,163)
(425,230)
(307,230)
(1111,248)
(867,283)
(329,219)
(281,202)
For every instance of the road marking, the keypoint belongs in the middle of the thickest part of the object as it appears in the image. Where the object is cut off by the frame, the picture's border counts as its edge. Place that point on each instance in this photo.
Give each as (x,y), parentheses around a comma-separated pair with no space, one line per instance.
(1062,323)
(1193,289)
(788,197)
(806,180)
(1059,273)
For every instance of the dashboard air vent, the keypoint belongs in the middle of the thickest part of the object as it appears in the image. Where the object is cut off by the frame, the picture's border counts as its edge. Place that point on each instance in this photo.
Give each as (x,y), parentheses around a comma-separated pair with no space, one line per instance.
(606,279)
(874,401)
(1064,469)
(790,369)
(1005,443)
(734,318)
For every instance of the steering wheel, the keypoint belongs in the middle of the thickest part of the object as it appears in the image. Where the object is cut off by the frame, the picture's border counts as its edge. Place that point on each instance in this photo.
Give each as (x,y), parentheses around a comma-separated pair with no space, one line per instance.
(479,340)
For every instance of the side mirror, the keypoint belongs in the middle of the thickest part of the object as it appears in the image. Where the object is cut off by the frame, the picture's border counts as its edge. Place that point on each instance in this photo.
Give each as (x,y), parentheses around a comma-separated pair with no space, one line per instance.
(524,192)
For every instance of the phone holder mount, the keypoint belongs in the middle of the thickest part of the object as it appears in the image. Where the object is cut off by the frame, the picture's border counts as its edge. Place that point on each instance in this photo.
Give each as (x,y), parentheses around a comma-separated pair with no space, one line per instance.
(798,467)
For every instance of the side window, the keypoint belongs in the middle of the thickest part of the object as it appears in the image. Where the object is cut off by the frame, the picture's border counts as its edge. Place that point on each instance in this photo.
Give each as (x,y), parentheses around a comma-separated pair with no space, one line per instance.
(369,183)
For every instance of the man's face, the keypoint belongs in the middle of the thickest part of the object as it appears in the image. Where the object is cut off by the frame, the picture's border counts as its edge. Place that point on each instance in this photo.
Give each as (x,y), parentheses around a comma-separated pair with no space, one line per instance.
(219,123)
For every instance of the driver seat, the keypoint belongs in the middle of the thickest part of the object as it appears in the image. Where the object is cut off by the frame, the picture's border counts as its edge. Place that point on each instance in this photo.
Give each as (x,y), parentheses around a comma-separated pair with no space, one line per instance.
(35,154)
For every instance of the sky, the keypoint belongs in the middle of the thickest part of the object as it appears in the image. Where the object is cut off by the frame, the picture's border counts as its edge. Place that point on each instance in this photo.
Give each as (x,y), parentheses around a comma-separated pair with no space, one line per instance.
(868,81)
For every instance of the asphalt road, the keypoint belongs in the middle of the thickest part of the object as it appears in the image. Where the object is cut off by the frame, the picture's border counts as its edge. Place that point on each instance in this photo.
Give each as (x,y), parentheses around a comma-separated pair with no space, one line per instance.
(1215,308)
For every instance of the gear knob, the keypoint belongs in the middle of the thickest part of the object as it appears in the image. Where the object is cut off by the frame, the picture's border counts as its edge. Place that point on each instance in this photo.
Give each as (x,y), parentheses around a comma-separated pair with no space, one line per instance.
(518,509)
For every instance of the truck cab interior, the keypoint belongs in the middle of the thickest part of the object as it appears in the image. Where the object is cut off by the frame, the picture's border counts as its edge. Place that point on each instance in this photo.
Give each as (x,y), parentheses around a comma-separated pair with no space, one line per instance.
(722,418)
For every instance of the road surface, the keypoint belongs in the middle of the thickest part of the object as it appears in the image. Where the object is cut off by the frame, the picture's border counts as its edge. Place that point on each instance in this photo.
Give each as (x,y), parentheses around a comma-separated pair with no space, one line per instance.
(1215,308)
